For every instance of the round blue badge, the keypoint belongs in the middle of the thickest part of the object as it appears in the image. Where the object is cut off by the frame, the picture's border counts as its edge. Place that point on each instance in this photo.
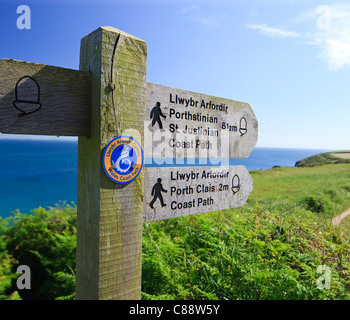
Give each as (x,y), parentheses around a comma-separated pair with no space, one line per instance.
(122,159)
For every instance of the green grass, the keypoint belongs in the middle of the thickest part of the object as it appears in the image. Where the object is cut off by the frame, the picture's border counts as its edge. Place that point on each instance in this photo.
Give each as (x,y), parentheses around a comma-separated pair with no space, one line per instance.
(346,223)
(288,190)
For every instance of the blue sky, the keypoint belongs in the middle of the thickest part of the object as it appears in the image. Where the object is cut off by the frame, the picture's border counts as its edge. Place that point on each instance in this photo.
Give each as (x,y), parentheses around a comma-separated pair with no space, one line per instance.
(290,60)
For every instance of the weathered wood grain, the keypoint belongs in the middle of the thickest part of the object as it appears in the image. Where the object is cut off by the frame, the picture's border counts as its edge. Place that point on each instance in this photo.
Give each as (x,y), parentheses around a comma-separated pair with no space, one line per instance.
(191,190)
(109,226)
(54,101)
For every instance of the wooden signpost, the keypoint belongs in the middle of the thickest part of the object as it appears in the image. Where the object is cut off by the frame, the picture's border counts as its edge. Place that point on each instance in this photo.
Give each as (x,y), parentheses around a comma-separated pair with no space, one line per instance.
(109,98)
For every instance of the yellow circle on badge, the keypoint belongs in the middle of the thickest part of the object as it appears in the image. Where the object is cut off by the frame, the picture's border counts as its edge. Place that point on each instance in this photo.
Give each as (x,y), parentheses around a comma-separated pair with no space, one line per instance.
(122,159)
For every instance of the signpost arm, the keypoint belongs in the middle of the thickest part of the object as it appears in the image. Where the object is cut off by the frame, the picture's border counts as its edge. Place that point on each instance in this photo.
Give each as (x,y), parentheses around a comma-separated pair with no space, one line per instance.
(109,222)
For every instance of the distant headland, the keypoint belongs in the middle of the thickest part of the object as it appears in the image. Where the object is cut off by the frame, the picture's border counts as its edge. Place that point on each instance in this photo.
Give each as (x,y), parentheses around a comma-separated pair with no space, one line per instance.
(334,157)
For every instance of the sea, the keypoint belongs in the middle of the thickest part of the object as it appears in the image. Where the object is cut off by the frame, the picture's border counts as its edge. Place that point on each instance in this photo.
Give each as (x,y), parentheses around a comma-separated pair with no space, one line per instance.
(44,173)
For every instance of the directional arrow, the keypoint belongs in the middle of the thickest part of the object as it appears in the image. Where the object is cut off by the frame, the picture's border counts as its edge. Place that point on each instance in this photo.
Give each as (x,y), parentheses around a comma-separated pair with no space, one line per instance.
(185,124)
(44,100)
(182,191)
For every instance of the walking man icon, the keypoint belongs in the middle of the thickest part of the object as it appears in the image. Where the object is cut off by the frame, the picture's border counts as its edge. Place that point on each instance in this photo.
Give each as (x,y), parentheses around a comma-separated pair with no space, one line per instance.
(157,193)
(155,115)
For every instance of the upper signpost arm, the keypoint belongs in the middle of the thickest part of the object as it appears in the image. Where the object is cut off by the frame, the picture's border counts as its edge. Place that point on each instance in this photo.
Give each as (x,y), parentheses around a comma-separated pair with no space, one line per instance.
(38,99)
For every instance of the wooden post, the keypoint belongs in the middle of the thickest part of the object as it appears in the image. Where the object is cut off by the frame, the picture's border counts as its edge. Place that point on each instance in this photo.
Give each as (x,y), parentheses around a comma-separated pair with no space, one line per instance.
(110,215)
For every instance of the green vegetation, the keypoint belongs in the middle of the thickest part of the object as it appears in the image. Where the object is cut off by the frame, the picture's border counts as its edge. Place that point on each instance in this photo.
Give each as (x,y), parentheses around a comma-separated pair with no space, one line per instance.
(252,255)
(269,249)
(324,190)
(45,241)
(336,157)
(346,223)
